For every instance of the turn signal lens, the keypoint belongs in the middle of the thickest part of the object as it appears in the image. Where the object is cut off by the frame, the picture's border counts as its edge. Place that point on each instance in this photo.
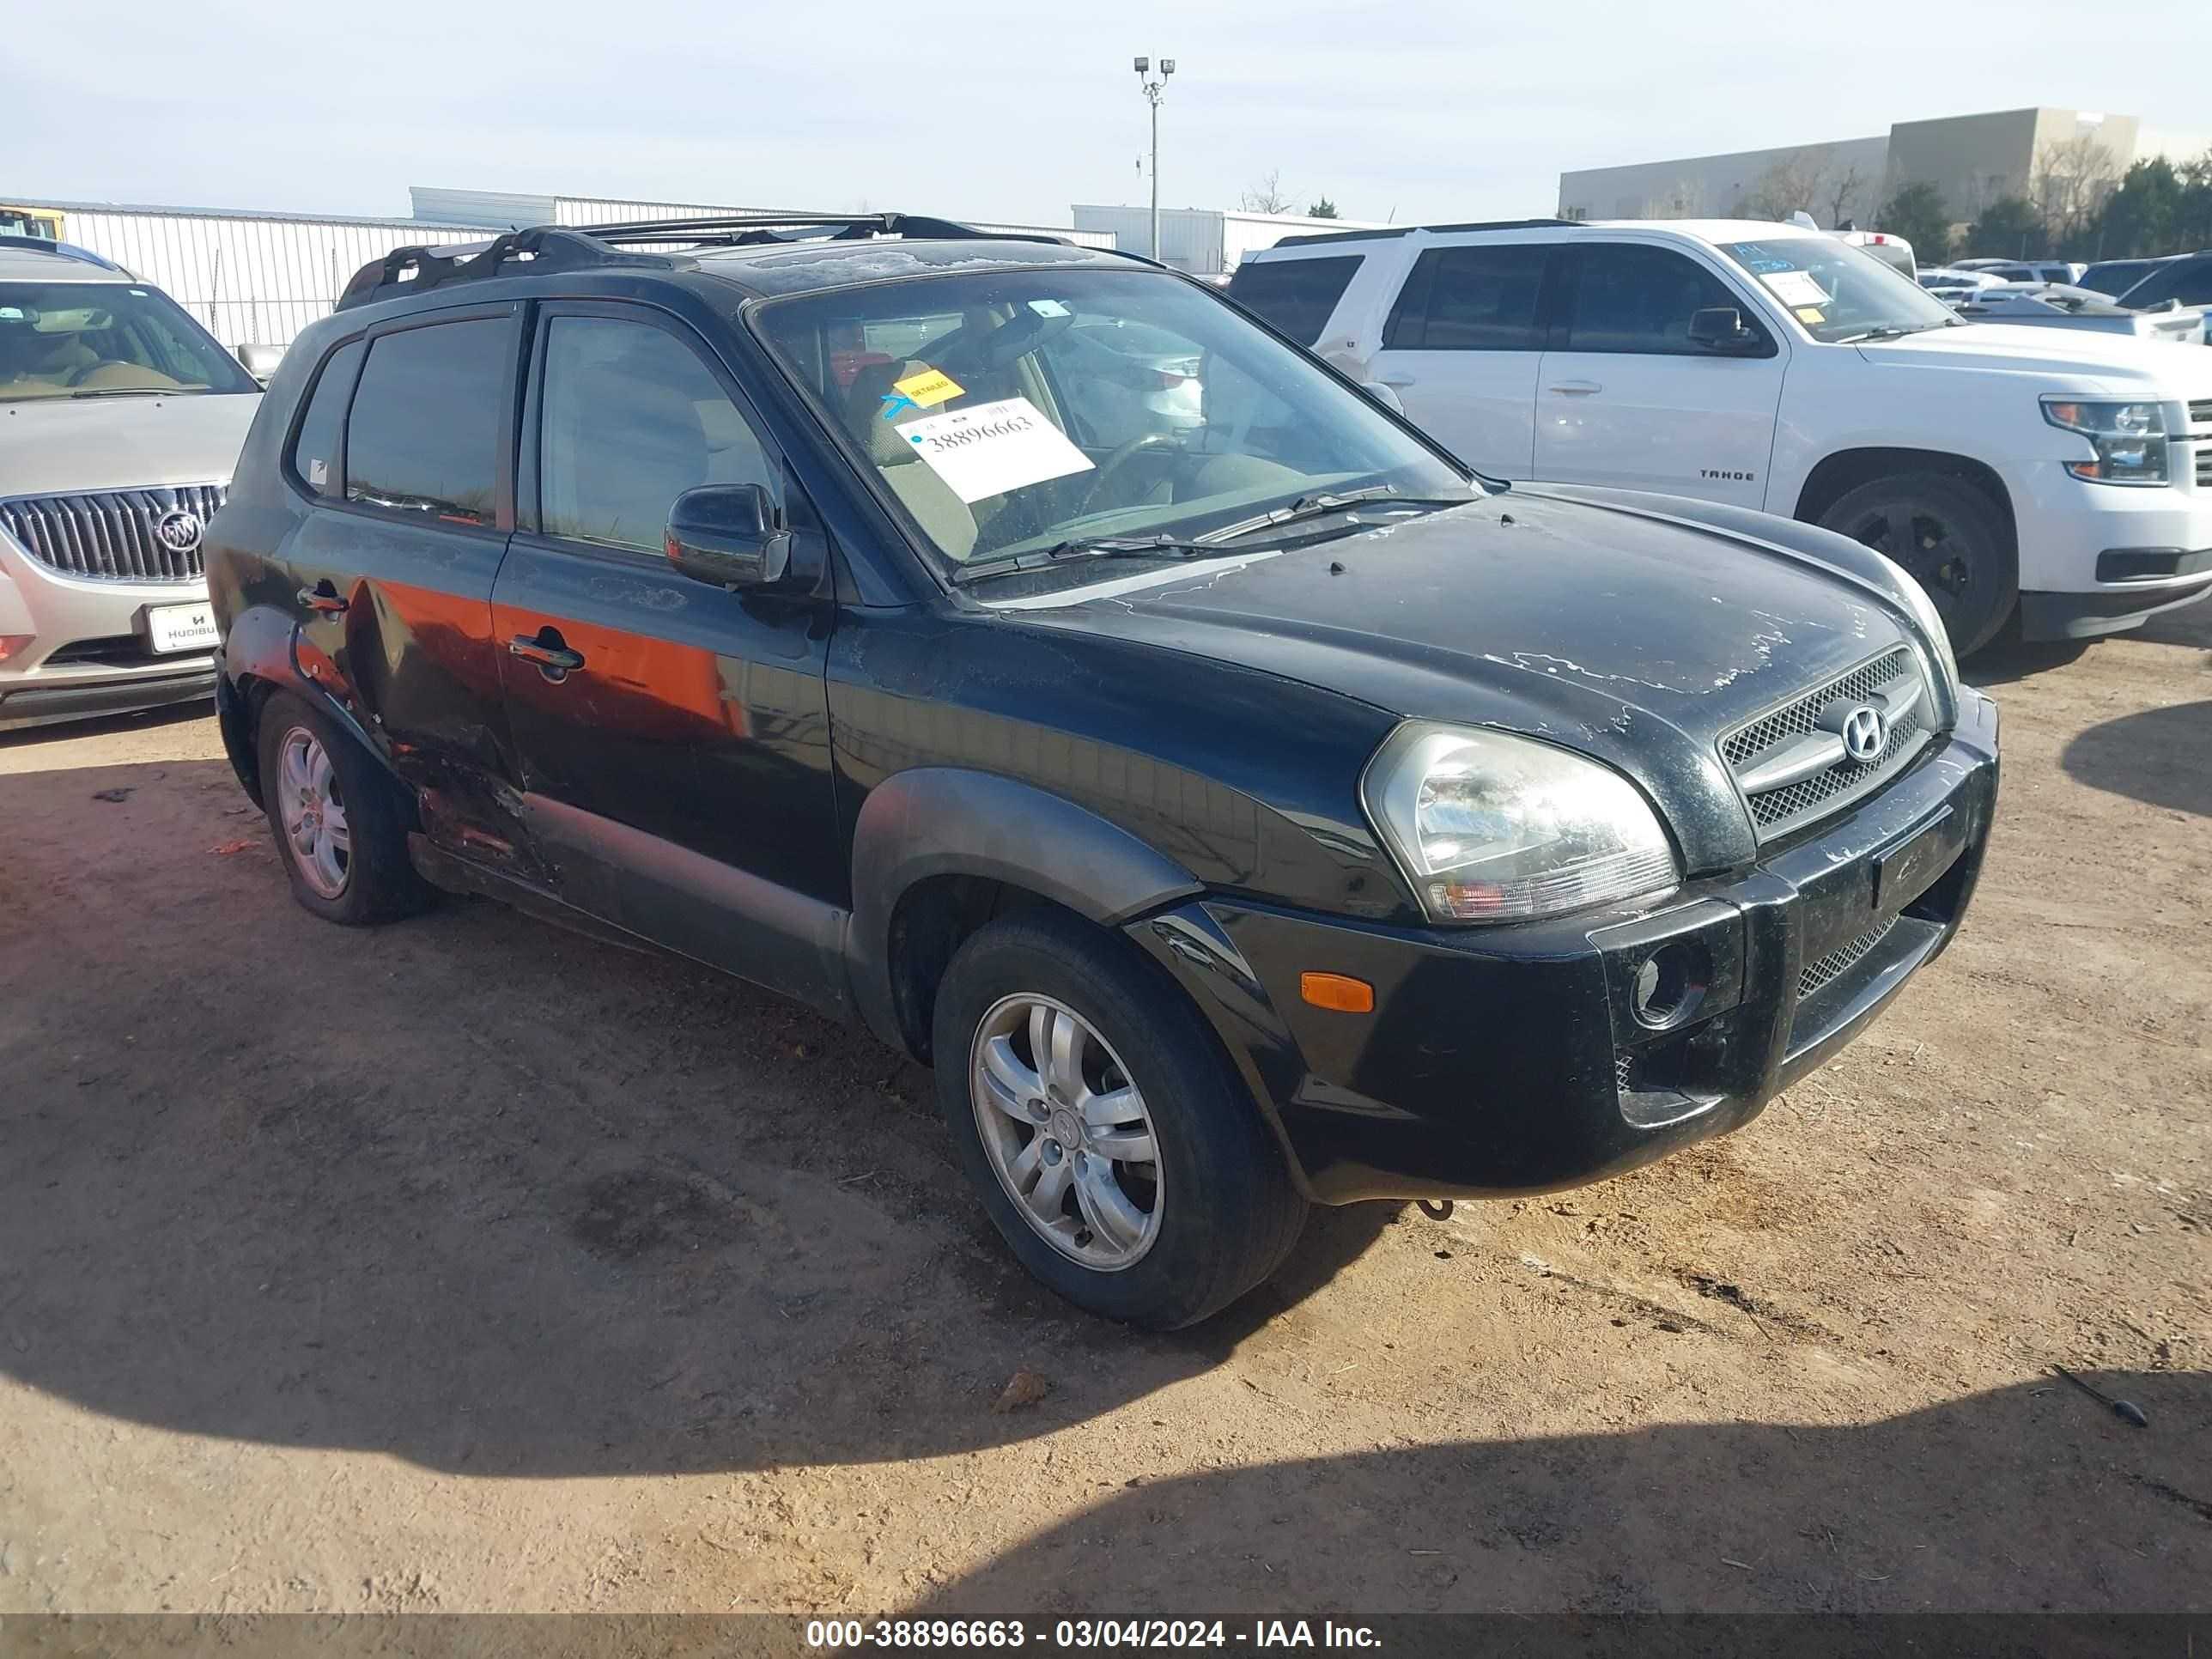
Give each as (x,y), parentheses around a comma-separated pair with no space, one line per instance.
(1338,992)
(11,644)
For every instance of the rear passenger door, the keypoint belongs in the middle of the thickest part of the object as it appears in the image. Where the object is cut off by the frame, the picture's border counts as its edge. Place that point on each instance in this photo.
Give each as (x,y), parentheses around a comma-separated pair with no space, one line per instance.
(1626,398)
(405,446)
(1462,347)
(673,736)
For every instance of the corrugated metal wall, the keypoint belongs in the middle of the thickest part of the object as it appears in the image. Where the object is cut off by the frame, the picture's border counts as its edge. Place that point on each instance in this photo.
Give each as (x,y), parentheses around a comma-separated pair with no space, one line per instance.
(252,278)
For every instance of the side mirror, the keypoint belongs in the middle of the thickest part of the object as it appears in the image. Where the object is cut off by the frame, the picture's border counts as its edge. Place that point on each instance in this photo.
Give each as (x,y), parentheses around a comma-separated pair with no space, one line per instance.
(727,535)
(260,362)
(1720,328)
(1385,395)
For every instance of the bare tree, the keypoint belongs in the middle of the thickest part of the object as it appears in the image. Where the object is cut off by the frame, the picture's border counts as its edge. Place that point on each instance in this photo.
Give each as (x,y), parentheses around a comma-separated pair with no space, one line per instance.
(2072,179)
(1794,182)
(1843,188)
(1268,196)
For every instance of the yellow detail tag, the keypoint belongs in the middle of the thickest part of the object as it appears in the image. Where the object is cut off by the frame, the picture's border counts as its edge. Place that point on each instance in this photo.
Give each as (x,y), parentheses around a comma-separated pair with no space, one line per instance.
(928,389)
(1810,314)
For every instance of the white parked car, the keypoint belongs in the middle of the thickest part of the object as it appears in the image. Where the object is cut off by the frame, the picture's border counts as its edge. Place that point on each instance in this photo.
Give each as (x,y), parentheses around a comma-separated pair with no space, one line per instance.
(2062,477)
(1952,286)
(2060,304)
(120,421)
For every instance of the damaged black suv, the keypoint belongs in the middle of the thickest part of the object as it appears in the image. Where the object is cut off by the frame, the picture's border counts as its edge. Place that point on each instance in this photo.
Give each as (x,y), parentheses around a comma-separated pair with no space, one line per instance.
(1020,651)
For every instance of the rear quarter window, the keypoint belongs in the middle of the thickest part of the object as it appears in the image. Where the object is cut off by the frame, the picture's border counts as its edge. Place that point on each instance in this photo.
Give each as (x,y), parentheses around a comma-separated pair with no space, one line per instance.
(315,461)
(1296,296)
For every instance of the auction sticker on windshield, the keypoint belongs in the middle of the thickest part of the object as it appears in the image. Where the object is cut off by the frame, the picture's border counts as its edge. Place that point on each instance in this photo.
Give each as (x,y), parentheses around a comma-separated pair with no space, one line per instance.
(1795,287)
(993,447)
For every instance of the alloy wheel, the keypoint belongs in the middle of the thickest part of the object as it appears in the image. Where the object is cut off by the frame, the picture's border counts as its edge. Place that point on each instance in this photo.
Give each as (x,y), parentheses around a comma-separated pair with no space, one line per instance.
(313,813)
(1067,1132)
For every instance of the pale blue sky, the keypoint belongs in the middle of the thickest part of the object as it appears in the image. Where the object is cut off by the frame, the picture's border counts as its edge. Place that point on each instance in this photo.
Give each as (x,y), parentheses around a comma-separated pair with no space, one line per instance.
(996,110)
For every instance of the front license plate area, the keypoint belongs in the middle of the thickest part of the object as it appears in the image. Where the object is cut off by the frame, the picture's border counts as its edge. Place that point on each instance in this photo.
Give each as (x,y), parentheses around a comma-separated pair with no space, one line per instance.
(1907,871)
(174,627)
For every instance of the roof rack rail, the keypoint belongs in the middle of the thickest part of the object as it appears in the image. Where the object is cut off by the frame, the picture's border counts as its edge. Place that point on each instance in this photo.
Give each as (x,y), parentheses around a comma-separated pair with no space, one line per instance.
(1407,230)
(415,268)
(755,230)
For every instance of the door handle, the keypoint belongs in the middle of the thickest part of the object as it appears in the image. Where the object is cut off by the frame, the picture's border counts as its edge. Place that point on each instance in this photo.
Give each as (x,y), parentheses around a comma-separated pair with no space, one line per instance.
(1575,388)
(1396,380)
(323,599)
(548,651)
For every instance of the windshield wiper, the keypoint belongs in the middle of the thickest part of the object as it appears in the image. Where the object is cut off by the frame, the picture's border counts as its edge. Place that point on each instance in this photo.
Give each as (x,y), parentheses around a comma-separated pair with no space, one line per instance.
(1084,547)
(1314,506)
(137,390)
(1892,331)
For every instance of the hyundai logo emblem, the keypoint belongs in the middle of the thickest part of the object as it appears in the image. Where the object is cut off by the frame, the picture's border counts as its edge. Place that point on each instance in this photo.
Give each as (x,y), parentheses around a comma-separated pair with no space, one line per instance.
(1864,732)
(178,530)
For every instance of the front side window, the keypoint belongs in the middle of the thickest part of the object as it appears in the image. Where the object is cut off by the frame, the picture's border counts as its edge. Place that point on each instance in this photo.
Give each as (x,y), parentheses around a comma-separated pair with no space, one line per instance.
(1093,413)
(1297,296)
(1471,299)
(423,436)
(105,340)
(629,419)
(1634,298)
(1835,292)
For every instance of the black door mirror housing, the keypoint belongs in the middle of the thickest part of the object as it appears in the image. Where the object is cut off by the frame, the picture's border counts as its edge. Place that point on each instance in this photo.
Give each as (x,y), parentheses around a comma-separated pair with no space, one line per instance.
(727,535)
(1720,328)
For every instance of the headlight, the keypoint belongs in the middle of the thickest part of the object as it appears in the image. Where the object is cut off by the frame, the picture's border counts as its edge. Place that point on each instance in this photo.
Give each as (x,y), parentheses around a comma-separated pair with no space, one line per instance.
(1924,613)
(2130,439)
(1496,829)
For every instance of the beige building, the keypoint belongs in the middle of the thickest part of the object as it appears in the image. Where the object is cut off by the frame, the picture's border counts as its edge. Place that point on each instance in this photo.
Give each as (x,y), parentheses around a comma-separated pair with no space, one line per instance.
(1972,160)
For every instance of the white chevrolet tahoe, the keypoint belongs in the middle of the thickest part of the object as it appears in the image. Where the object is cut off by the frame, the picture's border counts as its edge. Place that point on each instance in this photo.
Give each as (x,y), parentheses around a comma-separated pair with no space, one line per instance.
(121,420)
(2064,480)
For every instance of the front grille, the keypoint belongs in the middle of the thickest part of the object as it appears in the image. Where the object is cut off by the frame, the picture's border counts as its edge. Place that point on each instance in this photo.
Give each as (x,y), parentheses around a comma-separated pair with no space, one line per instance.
(1776,810)
(2204,465)
(108,535)
(2200,413)
(1816,976)
(1624,1073)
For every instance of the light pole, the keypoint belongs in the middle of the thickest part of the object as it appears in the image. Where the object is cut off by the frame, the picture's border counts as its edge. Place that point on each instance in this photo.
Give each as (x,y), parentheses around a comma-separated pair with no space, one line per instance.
(1154,90)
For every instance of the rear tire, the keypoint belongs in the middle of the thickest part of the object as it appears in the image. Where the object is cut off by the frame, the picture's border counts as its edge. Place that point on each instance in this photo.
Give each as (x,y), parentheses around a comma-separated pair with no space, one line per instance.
(1057,1149)
(1949,537)
(338,818)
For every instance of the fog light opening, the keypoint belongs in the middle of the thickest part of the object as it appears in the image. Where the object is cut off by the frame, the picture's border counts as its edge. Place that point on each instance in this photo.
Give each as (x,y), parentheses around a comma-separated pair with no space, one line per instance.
(1669,985)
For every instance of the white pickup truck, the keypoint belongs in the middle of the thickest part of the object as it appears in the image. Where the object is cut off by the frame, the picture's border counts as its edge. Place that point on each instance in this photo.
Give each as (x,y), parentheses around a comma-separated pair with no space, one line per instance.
(2062,480)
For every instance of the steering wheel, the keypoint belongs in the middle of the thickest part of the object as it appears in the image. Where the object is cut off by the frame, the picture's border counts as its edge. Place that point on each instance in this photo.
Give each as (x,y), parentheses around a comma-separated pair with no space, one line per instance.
(1109,468)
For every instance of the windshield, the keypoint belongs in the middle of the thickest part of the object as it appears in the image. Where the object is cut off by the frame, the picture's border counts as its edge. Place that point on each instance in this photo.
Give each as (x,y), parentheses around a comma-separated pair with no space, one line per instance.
(105,339)
(1834,291)
(1014,412)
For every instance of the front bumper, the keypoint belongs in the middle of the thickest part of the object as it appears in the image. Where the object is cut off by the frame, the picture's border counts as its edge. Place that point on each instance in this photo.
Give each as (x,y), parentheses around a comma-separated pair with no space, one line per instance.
(87,651)
(1514,1059)
(2101,558)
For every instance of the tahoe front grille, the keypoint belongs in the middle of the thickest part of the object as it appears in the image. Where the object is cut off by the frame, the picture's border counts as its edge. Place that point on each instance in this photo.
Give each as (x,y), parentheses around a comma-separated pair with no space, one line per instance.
(1816,976)
(110,535)
(2200,413)
(1791,761)
(2204,464)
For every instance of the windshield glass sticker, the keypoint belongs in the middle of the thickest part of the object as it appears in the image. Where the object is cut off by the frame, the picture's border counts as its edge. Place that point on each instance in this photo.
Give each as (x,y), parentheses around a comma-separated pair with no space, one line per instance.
(1049,307)
(1810,314)
(993,447)
(1758,260)
(930,387)
(1795,288)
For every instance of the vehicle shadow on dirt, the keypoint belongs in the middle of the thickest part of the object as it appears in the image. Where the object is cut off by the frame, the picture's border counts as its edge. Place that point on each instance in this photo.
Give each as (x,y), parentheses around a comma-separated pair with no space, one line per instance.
(484,1195)
(2162,756)
(2028,1497)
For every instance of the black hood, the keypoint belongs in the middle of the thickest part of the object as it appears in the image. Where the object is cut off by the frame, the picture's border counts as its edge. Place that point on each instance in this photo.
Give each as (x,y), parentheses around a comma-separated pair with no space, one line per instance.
(1632,640)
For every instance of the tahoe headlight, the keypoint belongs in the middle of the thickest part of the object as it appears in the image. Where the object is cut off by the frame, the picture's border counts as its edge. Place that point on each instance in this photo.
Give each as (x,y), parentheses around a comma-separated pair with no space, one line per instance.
(1492,828)
(2130,439)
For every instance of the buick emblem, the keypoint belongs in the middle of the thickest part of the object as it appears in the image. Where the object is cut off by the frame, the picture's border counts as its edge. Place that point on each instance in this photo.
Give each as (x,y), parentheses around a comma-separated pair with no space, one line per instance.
(1864,732)
(178,530)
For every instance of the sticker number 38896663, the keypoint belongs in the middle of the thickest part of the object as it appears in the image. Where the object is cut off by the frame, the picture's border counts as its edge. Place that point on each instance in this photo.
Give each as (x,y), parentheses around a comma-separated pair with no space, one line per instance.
(993,447)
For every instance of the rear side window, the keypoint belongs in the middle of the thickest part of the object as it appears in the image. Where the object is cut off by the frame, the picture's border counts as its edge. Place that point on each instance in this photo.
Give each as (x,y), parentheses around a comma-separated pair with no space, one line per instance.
(315,450)
(1295,296)
(1634,298)
(1471,299)
(424,434)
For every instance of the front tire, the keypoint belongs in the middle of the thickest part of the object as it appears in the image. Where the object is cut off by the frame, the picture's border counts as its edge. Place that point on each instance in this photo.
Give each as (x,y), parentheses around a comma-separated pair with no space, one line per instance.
(1949,537)
(1116,1150)
(338,818)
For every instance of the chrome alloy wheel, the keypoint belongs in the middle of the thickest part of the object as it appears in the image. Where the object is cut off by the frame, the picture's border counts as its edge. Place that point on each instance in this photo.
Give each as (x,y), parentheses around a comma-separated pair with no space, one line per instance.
(315,817)
(1067,1132)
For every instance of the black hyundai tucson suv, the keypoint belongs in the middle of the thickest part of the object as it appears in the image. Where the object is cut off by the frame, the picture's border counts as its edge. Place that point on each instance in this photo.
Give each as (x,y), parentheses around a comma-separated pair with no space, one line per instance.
(1018,650)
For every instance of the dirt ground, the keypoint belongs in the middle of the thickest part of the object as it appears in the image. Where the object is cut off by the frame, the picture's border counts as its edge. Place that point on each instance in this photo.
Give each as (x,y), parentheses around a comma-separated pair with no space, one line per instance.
(469,1264)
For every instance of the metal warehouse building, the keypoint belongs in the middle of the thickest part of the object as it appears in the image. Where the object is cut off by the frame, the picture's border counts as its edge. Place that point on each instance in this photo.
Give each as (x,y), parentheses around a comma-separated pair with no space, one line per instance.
(259,278)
